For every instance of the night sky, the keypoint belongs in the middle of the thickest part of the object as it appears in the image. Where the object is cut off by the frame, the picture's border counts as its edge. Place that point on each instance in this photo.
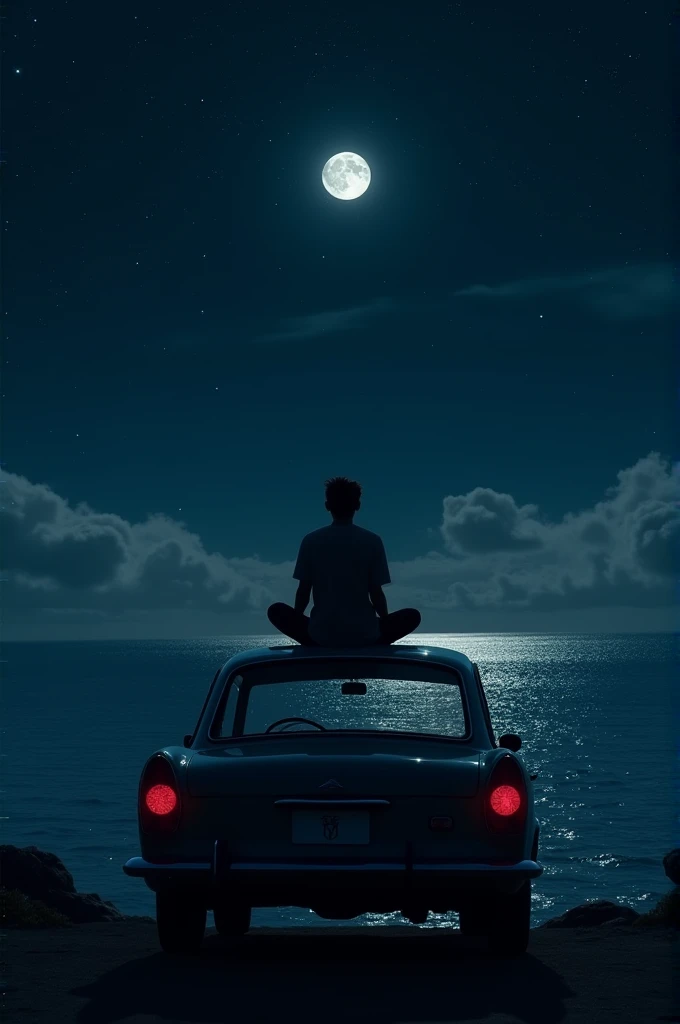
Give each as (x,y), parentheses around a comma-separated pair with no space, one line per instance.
(197,335)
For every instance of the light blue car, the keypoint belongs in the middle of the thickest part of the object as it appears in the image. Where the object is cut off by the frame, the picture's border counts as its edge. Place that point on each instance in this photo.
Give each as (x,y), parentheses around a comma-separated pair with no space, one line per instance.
(346,781)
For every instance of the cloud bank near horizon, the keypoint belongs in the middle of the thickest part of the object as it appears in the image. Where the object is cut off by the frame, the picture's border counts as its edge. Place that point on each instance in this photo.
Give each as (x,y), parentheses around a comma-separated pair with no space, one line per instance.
(66,562)
(623,551)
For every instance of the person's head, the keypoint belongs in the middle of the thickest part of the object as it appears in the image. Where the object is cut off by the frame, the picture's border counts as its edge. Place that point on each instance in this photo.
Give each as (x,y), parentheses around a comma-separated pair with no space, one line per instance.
(343,497)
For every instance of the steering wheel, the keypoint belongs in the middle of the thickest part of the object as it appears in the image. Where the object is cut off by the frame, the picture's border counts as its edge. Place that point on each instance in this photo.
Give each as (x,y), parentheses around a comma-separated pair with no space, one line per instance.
(295,718)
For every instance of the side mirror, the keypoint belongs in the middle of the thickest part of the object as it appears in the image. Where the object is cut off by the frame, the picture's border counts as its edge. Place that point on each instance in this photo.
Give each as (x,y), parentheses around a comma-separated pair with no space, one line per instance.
(187,739)
(511,741)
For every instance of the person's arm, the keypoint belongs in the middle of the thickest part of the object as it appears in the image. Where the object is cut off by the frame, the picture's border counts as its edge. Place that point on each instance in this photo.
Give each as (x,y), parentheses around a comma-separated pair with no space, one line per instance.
(378,577)
(304,574)
(379,601)
(304,592)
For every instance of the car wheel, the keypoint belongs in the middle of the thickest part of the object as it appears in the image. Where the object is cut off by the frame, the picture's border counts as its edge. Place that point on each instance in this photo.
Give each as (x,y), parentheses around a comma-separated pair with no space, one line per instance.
(231,919)
(180,920)
(509,920)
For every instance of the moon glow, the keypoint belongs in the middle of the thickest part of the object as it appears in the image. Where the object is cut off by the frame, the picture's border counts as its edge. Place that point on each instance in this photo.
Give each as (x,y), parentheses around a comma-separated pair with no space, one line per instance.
(346,176)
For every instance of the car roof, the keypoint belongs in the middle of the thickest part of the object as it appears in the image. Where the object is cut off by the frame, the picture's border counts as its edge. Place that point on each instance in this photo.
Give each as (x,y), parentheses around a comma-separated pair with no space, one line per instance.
(402,652)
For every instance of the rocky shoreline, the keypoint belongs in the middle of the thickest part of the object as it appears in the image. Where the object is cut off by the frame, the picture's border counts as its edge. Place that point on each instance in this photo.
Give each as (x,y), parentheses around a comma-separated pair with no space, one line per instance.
(37,891)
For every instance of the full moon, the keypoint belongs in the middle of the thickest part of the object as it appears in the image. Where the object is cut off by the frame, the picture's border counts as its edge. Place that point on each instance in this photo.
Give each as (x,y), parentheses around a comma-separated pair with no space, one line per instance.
(346,176)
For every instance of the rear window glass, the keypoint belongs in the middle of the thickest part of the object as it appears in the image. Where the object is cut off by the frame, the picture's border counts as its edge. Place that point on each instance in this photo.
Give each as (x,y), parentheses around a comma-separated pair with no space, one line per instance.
(367,696)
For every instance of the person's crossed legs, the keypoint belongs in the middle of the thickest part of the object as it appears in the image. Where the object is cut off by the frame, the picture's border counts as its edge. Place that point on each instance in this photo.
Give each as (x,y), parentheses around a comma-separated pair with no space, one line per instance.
(296,624)
(290,623)
(398,624)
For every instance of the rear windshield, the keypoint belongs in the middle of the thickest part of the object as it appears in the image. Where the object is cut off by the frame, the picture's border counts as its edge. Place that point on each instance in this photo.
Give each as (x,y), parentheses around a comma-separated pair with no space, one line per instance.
(366,696)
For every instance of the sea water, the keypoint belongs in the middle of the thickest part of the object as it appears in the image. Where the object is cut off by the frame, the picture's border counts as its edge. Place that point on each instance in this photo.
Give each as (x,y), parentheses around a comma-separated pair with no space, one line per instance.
(596,712)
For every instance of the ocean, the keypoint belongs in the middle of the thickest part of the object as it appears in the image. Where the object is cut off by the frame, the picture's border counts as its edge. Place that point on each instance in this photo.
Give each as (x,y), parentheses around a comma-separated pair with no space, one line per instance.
(597,713)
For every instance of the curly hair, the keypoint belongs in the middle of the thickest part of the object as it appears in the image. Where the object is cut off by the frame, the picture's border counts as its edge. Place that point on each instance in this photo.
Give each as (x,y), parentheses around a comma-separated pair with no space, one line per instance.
(342,496)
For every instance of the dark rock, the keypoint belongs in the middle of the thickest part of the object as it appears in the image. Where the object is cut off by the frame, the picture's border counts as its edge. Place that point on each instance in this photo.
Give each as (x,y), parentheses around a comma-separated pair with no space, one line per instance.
(42,876)
(667,911)
(590,915)
(671,865)
(82,907)
(17,911)
(33,872)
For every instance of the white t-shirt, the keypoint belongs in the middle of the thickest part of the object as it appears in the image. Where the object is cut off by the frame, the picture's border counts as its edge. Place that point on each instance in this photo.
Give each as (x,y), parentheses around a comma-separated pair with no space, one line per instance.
(342,561)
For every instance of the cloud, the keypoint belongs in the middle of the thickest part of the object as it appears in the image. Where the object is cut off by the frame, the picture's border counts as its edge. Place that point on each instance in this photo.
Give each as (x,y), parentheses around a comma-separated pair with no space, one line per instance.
(57,555)
(73,568)
(330,322)
(615,293)
(485,521)
(623,551)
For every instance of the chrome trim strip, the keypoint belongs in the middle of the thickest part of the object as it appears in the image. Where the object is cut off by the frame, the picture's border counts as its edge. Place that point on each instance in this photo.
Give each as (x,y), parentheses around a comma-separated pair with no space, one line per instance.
(330,802)
(255,866)
(529,868)
(138,866)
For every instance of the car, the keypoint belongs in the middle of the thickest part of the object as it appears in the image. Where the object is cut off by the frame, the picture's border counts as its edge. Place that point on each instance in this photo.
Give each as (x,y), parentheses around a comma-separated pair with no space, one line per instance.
(345,781)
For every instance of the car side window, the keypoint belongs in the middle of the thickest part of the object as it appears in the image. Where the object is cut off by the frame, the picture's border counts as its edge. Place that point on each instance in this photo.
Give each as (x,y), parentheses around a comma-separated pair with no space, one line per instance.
(206,702)
(231,705)
(485,706)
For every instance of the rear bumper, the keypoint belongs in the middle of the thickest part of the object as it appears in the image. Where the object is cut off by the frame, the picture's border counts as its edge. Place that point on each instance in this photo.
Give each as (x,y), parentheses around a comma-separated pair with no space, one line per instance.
(222,870)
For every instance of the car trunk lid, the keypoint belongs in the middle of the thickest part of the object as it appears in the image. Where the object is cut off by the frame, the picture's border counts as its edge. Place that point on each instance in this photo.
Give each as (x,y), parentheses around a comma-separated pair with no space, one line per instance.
(335,767)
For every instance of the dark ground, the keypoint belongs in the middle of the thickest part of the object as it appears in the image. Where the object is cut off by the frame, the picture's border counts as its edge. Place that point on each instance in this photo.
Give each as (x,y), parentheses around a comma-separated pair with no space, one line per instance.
(106,973)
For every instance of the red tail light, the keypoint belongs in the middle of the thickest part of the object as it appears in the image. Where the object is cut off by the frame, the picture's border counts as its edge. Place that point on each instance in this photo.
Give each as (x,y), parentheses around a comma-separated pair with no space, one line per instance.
(504,800)
(506,797)
(159,802)
(161,799)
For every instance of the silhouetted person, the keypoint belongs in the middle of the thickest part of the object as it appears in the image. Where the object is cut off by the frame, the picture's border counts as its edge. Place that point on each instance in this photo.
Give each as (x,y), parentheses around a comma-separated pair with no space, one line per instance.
(343,568)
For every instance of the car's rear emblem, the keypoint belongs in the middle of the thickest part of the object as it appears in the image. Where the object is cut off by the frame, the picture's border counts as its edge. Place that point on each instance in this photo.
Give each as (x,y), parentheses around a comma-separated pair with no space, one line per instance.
(330,826)
(331,784)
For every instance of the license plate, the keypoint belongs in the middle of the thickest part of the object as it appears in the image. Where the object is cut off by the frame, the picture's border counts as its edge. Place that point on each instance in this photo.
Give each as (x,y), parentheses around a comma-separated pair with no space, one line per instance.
(331,828)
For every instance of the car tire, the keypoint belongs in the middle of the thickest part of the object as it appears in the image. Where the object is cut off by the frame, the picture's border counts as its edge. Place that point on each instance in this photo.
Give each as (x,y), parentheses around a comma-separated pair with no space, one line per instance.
(180,920)
(509,922)
(231,919)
